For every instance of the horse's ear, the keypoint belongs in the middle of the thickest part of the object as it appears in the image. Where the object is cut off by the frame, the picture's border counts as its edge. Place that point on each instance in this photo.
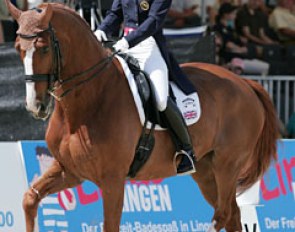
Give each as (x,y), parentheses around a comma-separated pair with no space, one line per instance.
(46,15)
(15,13)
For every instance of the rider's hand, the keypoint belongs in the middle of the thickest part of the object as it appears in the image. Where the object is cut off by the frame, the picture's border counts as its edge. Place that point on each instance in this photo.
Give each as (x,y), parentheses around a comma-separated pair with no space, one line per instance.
(122,45)
(100,35)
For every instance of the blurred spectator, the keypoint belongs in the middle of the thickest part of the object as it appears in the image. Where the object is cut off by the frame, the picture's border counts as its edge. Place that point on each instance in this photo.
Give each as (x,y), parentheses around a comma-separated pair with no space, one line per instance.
(212,9)
(282,20)
(266,10)
(247,66)
(271,3)
(264,7)
(251,23)
(183,13)
(9,25)
(105,6)
(233,44)
(233,47)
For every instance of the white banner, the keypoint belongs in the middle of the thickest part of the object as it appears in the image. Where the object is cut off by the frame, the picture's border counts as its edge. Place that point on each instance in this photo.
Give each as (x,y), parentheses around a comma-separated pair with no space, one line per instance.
(13,184)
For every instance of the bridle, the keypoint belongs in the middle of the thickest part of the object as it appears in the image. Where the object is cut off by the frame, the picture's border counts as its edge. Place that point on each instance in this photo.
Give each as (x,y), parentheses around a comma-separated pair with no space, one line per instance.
(54,77)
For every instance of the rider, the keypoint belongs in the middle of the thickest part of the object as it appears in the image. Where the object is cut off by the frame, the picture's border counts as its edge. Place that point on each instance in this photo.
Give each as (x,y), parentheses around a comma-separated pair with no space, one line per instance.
(143,38)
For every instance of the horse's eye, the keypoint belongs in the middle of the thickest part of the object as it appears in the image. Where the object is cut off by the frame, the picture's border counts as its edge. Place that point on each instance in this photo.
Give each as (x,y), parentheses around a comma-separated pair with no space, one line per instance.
(45,49)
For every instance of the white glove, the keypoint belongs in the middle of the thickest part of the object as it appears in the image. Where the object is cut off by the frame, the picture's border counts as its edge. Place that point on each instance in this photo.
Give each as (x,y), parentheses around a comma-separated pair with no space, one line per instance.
(100,35)
(122,45)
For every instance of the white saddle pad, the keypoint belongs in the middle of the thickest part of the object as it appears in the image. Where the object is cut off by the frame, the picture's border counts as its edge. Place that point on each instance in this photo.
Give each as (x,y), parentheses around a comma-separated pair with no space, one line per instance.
(189,105)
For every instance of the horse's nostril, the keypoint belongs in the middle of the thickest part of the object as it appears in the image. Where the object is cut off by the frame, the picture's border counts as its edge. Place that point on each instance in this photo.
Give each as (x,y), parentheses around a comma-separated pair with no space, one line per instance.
(42,107)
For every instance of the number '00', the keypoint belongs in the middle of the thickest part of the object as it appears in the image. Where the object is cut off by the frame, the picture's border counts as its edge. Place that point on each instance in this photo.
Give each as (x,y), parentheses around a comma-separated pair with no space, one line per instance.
(6,219)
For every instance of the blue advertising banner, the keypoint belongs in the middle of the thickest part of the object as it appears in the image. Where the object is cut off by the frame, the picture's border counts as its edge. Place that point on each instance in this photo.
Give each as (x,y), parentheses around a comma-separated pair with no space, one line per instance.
(277,192)
(171,205)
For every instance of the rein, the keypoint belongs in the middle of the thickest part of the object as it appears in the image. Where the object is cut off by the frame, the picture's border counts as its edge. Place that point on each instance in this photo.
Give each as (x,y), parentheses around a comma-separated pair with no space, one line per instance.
(57,57)
(103,63)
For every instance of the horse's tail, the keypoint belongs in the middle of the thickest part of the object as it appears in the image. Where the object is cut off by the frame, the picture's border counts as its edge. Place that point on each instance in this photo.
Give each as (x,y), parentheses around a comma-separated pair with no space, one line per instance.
(266,149)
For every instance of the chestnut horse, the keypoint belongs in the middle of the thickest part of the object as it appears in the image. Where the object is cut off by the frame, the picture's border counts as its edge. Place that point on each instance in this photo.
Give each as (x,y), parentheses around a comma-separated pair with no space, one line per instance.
(94,127)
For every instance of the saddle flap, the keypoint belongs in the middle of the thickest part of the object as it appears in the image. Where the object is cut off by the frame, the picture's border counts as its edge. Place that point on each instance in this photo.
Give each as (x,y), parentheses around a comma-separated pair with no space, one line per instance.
(189,105)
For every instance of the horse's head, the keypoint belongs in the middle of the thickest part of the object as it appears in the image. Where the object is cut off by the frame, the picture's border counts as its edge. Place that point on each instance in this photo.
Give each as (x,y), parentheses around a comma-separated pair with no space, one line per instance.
(38,48)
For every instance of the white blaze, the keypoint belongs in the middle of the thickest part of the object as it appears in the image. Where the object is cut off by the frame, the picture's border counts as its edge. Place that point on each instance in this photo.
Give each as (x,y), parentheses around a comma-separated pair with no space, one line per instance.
(30,86)
(28,61)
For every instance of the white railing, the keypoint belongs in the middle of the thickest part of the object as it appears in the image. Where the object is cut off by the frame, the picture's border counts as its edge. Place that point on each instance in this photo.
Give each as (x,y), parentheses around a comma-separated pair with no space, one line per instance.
(282,91)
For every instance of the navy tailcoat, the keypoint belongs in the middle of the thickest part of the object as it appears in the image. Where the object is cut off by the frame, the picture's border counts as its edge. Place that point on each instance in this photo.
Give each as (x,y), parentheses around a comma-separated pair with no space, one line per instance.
(147,18)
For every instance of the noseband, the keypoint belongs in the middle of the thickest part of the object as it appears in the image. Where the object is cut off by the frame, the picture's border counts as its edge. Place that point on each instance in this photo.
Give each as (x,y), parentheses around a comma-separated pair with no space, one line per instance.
(55,76)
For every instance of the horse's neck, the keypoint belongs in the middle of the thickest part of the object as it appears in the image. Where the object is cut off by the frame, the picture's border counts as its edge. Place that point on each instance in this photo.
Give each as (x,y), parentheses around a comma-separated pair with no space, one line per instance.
(79,48)
(97,98)
(80,51)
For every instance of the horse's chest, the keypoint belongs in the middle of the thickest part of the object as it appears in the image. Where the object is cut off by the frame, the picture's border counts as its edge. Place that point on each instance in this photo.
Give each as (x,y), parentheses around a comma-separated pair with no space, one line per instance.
(75,148)
(80,145)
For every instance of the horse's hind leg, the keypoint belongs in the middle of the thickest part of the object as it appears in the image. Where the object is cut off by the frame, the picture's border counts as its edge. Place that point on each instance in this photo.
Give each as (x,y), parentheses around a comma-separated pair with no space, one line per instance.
(53,180)
(205,177)
(234,223)
(226,169)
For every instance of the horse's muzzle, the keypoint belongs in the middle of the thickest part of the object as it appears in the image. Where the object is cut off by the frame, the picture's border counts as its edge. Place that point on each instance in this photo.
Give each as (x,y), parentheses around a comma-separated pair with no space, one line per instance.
(40,112)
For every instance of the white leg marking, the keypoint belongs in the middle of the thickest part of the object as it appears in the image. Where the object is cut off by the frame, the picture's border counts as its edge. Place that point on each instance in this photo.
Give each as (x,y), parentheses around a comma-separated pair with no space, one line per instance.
(212,227)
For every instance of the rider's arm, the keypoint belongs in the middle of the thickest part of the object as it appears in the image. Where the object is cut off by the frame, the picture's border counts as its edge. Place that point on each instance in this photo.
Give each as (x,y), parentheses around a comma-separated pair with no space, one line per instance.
(111,23)
(152,24)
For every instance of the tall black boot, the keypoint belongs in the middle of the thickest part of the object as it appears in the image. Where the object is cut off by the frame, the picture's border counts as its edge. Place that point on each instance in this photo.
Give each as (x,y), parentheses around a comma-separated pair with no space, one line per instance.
(180,137)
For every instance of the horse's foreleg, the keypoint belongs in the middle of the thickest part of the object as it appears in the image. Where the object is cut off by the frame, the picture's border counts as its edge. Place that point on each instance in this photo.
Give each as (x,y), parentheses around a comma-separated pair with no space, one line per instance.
(113,194)
(205,178)
(53,180)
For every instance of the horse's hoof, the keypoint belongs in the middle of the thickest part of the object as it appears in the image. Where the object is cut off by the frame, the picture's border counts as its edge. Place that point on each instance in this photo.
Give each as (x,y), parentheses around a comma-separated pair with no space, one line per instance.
(212,227)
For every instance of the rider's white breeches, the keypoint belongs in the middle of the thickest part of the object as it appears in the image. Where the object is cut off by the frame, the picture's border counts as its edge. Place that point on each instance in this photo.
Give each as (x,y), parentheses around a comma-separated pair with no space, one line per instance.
(150,60)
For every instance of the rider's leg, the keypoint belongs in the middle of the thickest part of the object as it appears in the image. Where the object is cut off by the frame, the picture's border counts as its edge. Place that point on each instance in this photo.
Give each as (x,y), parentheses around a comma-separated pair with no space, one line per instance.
(151,60)
(179,130)
(176,123)
(158,72)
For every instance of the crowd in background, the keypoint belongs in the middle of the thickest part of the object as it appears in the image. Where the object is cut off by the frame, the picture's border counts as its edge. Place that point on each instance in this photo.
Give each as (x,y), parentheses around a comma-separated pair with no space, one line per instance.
(252,36)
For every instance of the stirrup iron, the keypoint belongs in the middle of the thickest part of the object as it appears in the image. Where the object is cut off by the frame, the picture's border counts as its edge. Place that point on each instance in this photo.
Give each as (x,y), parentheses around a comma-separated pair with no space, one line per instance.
(191,160)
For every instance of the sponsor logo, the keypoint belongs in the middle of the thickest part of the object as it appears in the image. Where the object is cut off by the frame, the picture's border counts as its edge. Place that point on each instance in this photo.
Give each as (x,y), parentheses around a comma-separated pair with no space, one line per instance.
(280,169)
(282,223)
(6,219)
(67,199)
